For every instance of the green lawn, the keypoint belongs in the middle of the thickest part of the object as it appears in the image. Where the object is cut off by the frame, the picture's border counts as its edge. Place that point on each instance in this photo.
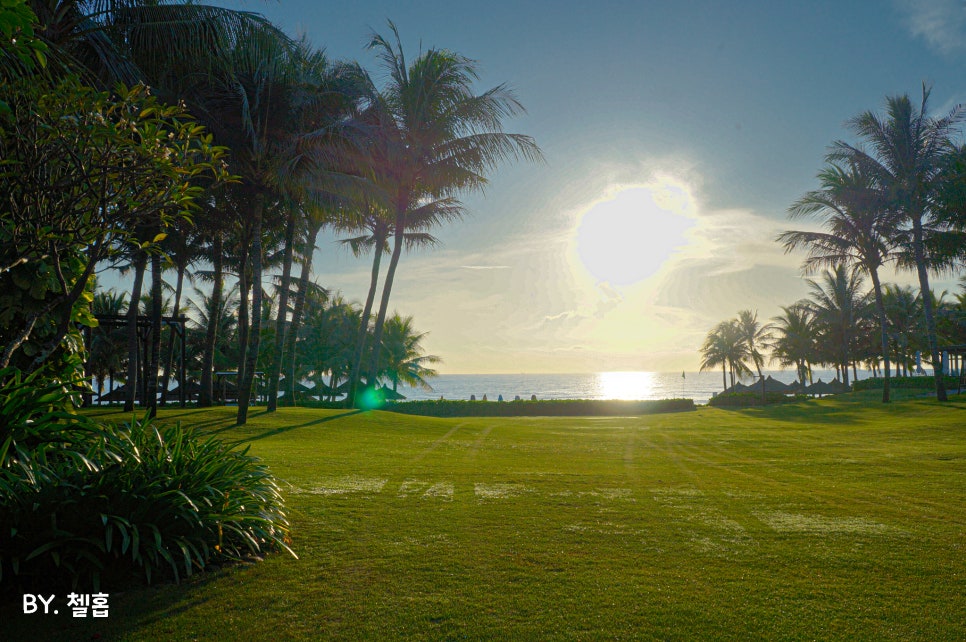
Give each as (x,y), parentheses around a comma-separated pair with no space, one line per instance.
(832,519)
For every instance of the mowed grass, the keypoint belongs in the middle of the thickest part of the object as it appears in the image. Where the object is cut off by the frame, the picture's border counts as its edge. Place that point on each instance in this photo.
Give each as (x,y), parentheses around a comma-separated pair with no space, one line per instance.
(831,519)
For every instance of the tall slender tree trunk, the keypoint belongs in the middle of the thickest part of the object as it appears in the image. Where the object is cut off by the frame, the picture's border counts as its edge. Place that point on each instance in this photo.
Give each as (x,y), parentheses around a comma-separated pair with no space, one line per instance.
(845,357)
(926,296)
(372,371)
(211,332)
(364,324)
(254,335)
(140,263)
(154,354)
(169,357)
(298,310)
(281,318)
(724,379)
(243,308)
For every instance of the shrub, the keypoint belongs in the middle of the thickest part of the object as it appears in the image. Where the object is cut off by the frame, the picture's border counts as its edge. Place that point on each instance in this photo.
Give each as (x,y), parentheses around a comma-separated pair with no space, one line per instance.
(111,503)
(749,399)
(924,383)
(546,408)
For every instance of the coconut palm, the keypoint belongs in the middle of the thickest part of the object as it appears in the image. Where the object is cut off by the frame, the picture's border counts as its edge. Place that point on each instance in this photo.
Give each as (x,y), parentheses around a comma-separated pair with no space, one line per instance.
(756,337)
(403,357)
(327,343)
(908,150)
(108,351)
(793,339)
(726,346)
(861,231)
(903,309)
(254,106)
(435,138)
(329,95)
(837,303)
(139,41)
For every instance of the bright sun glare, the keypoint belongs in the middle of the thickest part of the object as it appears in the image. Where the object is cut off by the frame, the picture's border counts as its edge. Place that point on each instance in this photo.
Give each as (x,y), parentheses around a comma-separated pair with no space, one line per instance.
(624,385)
(626,237)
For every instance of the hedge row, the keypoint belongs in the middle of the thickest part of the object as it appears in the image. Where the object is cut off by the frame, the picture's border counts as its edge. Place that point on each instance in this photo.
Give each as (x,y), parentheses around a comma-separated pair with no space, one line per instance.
(749,399)
(905,383)
(540,408)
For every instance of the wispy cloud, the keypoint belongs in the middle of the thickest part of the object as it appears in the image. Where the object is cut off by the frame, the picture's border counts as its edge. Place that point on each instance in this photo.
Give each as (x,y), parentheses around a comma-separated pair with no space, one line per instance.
(485,267)
(941,23)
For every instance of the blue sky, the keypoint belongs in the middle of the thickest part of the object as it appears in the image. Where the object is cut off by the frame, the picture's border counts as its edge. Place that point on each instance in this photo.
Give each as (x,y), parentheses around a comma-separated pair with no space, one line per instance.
(714,116)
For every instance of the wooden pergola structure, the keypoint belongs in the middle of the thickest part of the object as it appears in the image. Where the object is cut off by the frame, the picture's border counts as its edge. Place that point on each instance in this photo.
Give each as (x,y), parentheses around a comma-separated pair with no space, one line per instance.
(144,329)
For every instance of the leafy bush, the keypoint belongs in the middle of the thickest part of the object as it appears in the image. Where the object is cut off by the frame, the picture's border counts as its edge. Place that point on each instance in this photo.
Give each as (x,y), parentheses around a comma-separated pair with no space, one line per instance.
(546,408)
(110,503)
(925,383)
(750,399)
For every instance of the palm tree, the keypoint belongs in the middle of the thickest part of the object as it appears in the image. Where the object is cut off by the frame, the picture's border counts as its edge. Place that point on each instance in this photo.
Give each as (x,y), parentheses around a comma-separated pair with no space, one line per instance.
(252,106)
(134,41)
(218,310)
(403,357)
(861,232)
(908,152)
(837,303)
(182,250)
(903,309)
(793,341)
(725,346)
(108,350)
(756,337)
(377,228)
(328,96)
(435,138)
(327,343)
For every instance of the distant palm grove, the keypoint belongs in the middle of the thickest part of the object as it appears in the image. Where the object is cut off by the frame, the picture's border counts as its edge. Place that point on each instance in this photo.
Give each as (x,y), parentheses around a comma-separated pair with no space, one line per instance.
(895,197)
(199,152)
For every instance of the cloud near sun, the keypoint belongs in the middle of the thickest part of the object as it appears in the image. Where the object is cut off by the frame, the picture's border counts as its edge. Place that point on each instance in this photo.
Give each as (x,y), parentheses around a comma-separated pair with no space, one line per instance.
(630,281)
(651,269)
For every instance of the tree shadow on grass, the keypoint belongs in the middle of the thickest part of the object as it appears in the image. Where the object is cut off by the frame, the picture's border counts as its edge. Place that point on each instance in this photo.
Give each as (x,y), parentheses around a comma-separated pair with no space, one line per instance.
(129,610)
(802,412)
(278,431)
(842,409)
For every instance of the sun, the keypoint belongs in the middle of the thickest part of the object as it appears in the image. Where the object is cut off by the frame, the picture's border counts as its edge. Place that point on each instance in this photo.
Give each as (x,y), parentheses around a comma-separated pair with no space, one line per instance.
(626,237)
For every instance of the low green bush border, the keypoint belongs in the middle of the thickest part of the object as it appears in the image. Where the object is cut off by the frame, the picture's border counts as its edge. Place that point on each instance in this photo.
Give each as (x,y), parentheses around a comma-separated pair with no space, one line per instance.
(750,399)
(921,382)
(540,408)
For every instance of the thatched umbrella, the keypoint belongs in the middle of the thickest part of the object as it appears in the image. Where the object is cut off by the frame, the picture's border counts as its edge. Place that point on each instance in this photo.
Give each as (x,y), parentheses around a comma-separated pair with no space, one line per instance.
(325,390)
(390,395)
(774,385)
(119,394)
(191,391)
(822,388)
(738,387)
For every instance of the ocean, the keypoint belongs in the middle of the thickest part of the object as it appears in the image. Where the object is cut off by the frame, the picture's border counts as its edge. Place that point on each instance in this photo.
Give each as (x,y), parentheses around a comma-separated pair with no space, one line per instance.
(699,386)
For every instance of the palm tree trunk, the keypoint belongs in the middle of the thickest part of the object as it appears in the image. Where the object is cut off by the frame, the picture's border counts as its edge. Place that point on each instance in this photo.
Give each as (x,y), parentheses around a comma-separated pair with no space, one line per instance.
(275,361)
(364,324)
(297,311)
(154,355)
(132,331)
(243,309)
(169,357)
(926,296)
(724,379)
(373,370)
(211,332)
(254,335)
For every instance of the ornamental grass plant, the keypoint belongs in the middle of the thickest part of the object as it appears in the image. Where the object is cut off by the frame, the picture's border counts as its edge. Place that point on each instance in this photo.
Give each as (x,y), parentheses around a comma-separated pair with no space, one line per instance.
(90,505)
